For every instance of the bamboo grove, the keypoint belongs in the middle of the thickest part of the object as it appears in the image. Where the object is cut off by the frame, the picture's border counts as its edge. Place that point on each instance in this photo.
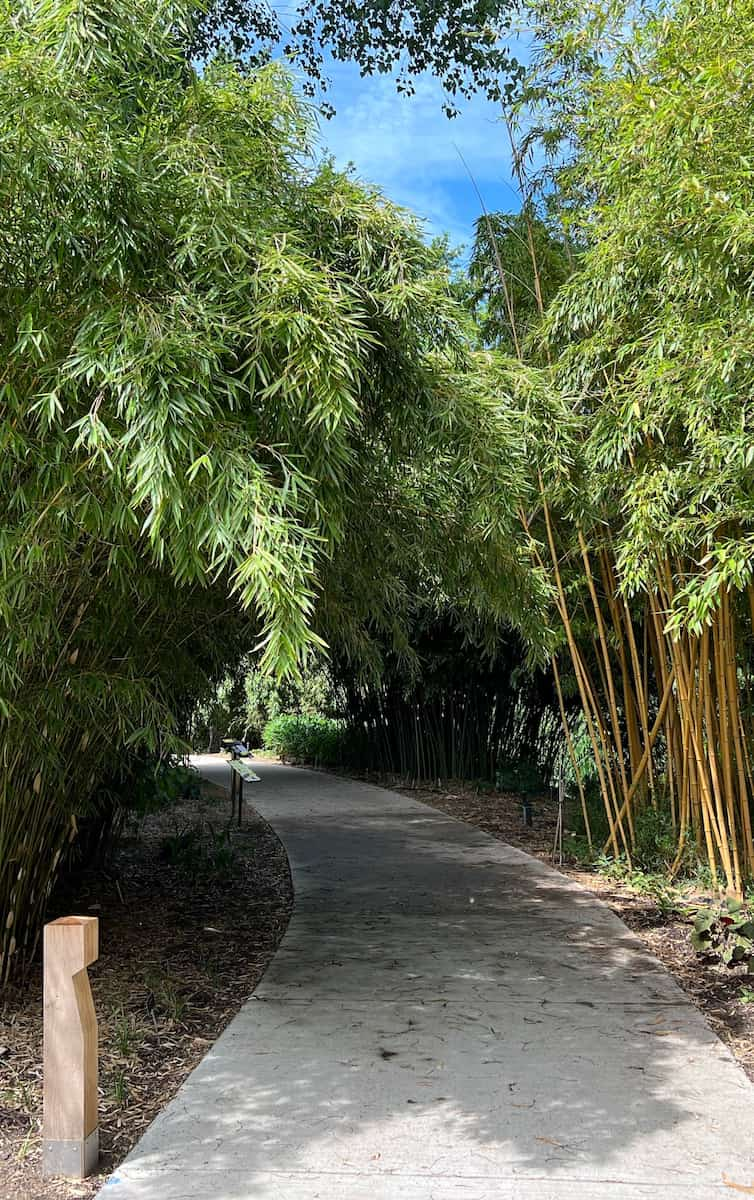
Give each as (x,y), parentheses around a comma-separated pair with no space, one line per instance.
(239,409)
(245,406)
(461,716)
(635,396)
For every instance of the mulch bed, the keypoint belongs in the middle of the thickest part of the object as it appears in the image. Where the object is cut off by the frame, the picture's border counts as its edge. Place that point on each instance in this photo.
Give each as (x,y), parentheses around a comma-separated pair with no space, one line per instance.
(183,943)
(717,992)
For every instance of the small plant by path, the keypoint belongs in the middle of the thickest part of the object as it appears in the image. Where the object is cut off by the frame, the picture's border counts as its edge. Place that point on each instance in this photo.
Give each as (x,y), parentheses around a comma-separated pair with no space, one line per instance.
(725,933)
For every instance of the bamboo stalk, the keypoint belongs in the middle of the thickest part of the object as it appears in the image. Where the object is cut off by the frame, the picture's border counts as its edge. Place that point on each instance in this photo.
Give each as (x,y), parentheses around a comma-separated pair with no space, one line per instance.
(572,753)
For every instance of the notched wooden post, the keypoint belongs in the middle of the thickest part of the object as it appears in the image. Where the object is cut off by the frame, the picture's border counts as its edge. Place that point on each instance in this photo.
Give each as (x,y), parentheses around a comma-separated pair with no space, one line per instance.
(71,1133)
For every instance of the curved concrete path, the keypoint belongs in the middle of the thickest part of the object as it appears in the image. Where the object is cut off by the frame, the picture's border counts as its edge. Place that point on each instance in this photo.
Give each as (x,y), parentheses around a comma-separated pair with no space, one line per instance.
(446,1019)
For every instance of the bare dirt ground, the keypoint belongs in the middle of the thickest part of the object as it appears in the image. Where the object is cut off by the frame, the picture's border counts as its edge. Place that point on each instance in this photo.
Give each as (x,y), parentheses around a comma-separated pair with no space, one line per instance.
(186,932)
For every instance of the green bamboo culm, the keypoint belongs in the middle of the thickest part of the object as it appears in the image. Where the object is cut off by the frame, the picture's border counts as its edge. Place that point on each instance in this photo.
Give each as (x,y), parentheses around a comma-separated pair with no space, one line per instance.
(462,715)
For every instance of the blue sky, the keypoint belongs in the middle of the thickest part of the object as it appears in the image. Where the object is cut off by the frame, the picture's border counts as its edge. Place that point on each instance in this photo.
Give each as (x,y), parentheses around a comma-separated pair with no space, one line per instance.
(407,146)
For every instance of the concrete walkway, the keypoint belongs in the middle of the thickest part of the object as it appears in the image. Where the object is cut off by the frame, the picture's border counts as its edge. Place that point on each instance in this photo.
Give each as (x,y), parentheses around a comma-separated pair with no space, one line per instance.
(446,1019)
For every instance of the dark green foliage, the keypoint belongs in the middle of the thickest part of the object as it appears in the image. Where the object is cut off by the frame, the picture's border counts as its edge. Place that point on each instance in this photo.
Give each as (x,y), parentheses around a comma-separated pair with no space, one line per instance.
(656,840)
(138,784)
(522,776)
(464,44)
(656,848)
(726,933)
(220,713)
(247,698)
(200,851)
(574,819)
(158,784)
(453,709)
(310,694)
(518,263)
(306,739)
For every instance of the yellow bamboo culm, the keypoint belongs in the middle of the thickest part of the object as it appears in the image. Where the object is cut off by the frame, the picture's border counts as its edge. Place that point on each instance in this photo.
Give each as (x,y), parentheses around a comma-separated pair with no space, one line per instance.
(662,708)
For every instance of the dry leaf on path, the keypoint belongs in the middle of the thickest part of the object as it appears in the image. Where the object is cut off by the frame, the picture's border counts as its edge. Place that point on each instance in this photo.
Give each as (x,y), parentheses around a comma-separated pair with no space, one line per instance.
(738,1187)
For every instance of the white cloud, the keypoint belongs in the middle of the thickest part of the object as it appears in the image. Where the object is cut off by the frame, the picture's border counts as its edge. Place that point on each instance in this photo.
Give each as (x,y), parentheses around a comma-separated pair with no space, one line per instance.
(409,148)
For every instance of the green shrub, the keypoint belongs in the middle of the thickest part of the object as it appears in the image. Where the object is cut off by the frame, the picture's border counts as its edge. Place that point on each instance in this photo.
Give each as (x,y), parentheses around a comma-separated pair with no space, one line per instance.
(656,838)
(200,853)
(140,784)
(574,820)
(522,777)
(158,784)
(725,933)
(316,740)
(656,842)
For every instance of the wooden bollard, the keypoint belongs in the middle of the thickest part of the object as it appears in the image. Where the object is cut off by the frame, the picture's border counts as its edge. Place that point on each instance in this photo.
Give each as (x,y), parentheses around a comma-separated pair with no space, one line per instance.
(70,1131)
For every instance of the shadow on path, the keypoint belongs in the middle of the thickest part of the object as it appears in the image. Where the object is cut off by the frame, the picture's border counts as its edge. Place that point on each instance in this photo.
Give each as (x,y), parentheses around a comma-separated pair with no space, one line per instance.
(446,1019)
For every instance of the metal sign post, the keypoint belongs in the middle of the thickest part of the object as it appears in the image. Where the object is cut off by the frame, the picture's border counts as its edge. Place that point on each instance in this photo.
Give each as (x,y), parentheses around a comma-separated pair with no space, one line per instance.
(239,771)
(557,850)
